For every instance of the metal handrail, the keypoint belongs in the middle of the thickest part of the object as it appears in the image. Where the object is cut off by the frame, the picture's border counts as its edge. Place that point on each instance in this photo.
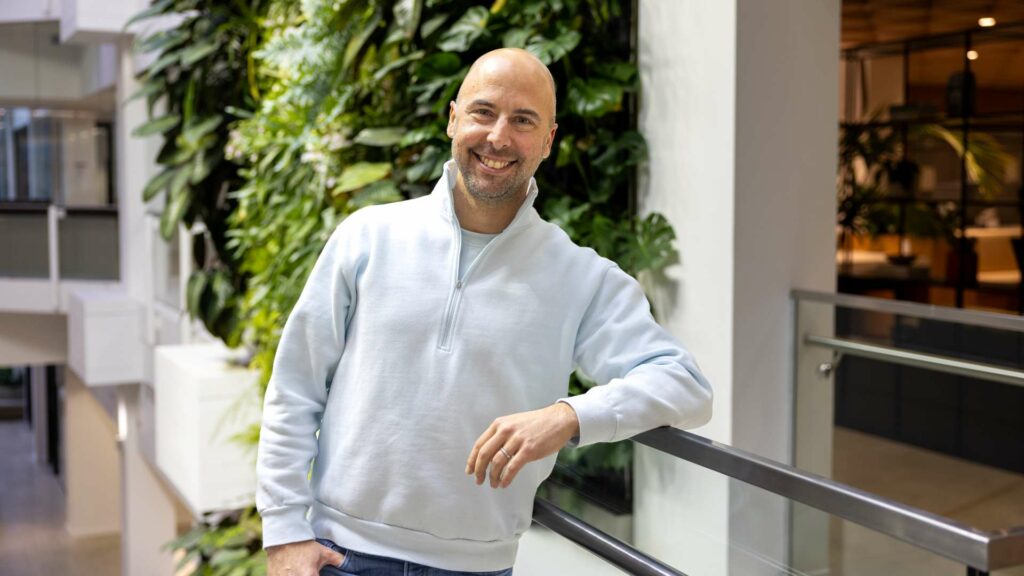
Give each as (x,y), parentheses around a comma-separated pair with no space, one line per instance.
(606,546)
(983,550)
(915,310)
(935,362)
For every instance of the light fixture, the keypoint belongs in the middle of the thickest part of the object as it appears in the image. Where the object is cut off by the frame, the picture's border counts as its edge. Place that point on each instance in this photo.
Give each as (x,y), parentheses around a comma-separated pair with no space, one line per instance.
(972,54)
(986,22)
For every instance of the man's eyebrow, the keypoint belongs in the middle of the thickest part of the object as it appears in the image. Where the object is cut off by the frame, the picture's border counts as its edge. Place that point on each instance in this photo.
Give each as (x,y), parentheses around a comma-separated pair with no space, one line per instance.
(521,111)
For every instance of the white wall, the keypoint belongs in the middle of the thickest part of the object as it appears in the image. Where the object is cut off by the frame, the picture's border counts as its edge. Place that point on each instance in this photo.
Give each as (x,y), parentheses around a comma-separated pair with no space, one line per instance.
(92,463)
(32,339)
(739,110)
(34,68)
(12,11)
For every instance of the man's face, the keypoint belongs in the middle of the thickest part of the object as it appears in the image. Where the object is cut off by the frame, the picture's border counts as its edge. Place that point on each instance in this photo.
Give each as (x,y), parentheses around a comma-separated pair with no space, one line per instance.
(501,128)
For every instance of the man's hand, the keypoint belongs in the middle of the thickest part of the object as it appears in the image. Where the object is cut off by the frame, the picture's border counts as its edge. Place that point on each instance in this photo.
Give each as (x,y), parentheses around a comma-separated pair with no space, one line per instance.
(513,441)
(304,558)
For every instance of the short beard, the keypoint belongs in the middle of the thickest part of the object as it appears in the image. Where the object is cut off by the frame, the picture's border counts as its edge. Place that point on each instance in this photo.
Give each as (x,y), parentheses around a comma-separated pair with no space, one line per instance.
(510,192)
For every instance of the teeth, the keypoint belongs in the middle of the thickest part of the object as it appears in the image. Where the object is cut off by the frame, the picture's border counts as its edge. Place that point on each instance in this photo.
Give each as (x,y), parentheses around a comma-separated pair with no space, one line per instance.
(493,164)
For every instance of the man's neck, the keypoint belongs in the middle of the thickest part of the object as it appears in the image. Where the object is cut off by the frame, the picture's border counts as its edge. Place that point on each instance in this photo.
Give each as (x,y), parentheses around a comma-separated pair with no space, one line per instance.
(483,217)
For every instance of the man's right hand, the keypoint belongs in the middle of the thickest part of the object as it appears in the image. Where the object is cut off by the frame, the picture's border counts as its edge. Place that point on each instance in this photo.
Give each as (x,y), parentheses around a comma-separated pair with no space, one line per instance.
(304,558)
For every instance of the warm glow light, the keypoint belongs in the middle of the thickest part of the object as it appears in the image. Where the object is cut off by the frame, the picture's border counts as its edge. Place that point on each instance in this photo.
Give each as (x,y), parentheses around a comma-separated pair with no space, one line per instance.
(972,54)
(986,22)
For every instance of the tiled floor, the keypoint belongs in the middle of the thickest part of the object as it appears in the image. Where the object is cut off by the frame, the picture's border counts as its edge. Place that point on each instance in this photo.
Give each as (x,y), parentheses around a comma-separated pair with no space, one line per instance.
(980,496)
(33,541)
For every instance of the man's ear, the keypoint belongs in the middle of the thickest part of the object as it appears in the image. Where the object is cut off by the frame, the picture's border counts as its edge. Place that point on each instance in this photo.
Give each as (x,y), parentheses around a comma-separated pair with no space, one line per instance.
(451,119)
(550,140)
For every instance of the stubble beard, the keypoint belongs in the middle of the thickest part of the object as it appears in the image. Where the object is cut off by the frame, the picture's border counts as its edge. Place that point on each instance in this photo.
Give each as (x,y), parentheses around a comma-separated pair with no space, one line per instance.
(495,194)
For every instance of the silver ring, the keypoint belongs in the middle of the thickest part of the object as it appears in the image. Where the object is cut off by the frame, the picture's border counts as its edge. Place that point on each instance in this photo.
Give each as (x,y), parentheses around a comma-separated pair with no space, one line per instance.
(505,452)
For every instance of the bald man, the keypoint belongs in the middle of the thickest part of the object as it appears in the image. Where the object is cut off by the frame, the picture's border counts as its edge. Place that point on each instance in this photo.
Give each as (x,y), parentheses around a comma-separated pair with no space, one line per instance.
(424,369)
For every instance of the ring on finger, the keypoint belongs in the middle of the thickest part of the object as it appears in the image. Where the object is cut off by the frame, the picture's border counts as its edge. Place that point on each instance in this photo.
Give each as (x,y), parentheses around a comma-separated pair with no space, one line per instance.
(505,452)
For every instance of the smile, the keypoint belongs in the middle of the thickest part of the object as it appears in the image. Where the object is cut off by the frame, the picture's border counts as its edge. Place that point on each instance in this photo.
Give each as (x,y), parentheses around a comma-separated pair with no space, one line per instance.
(493,164)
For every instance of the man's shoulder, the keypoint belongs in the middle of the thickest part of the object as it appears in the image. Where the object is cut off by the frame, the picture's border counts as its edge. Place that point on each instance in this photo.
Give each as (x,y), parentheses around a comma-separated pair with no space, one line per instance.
(388,215)
(561,243)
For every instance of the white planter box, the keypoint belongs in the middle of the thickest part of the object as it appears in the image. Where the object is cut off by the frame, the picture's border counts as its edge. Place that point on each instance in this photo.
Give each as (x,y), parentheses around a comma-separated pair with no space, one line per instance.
(106,343)
(93,21)
(202,400)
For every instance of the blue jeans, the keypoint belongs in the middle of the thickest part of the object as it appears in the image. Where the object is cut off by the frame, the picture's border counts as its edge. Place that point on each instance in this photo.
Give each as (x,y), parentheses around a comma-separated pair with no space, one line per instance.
(359,564)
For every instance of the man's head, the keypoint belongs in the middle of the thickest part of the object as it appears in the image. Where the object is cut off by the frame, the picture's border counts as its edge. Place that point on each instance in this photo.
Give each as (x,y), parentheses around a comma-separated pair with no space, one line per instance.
(502,124)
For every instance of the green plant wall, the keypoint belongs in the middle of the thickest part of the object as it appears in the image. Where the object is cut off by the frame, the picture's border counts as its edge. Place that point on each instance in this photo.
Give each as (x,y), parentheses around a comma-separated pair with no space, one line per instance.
(333,105)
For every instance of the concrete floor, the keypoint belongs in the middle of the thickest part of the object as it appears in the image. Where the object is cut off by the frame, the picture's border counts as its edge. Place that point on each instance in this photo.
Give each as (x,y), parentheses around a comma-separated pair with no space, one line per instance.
(33,541)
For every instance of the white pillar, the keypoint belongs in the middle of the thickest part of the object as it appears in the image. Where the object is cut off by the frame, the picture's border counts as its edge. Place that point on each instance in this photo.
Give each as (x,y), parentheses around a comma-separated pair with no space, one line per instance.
(739,110)
(91,472)
(149,509)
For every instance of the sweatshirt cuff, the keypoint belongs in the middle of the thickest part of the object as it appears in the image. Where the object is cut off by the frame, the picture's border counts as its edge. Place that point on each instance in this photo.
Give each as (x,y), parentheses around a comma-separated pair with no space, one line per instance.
(286,525)
(597,419)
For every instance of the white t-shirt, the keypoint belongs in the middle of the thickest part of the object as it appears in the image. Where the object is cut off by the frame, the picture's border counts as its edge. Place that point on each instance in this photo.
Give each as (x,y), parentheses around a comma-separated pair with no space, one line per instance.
(472,244)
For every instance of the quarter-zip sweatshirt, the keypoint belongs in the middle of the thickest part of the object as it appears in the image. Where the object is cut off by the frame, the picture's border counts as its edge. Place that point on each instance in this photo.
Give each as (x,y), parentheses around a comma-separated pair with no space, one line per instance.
(400,365)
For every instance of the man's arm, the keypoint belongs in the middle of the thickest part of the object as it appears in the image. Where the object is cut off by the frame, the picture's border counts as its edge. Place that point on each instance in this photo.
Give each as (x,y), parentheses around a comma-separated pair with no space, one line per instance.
(307,356)
(647,380)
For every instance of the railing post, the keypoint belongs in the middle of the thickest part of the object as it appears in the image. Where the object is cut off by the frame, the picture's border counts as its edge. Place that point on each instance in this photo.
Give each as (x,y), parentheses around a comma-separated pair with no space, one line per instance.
(54,214)
(812,430)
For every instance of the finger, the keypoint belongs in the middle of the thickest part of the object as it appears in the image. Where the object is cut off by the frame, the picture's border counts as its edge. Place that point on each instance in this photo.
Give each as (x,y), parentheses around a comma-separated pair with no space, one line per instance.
(474,453)
(508,474)
(486,454)
(498,463)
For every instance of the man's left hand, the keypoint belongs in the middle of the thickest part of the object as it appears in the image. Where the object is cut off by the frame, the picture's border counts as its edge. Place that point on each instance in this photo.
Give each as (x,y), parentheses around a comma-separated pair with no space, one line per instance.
(513,441)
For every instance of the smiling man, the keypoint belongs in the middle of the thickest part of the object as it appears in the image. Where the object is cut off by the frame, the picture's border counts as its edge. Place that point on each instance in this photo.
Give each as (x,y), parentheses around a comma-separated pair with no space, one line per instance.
(431,349)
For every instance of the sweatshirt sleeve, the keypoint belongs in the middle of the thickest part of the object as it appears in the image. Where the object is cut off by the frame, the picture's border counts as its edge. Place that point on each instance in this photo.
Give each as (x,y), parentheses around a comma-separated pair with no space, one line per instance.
(307,356)
(646,378)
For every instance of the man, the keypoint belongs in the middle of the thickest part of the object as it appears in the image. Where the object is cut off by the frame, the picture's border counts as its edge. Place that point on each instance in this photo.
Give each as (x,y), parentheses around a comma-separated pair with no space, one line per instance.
(431,348)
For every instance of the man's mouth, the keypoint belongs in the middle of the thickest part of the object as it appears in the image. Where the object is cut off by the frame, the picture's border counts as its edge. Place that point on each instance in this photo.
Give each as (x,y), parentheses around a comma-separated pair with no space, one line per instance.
(493,163)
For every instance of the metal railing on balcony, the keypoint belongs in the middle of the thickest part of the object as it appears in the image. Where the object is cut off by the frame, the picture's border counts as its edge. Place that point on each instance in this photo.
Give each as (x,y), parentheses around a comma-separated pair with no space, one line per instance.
(975,550)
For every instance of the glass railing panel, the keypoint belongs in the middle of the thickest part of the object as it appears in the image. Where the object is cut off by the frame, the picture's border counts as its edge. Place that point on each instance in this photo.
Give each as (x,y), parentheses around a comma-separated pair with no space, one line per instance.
(705,522)
(24,244)
(970,418)
(88,240)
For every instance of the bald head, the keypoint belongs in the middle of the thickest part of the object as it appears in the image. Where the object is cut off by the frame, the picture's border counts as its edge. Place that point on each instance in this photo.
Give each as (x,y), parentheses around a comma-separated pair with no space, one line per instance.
(516,62)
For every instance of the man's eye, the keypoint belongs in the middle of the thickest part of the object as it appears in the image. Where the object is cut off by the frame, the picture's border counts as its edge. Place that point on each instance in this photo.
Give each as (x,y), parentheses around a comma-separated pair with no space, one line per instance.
(483,112)
(524,121)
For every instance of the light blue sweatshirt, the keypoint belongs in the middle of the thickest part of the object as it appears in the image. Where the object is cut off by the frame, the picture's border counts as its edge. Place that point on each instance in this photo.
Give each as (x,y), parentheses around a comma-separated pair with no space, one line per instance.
(401,366)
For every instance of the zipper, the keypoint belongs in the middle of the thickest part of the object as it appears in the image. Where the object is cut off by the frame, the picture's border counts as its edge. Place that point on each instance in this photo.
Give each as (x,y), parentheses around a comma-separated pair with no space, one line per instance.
(455,297)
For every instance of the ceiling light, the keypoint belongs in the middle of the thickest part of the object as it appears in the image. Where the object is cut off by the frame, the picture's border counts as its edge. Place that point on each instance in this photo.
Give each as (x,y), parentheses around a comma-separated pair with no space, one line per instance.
(986,22)
(972,54)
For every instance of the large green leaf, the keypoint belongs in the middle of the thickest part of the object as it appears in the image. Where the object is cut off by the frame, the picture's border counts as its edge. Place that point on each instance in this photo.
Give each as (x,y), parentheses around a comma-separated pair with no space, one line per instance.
(360,174)
(465,31)
(550,50)
(197,52)
(355,46)
(154,10)
(165,60)
(595,97)
(192,134)
(157,183)
(157,125)
(193,295)
(407,16)
(147,88)
(380,136)
(161,40)
(177,204)
(380,192)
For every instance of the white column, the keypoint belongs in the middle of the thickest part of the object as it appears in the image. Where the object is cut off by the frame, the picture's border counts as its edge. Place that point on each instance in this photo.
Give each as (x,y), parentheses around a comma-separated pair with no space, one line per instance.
(91,463)
(739,110)
(149,510)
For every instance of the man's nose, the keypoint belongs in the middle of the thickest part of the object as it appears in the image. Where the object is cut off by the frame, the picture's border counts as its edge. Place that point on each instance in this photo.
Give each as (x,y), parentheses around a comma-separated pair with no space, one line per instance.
(498,137)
